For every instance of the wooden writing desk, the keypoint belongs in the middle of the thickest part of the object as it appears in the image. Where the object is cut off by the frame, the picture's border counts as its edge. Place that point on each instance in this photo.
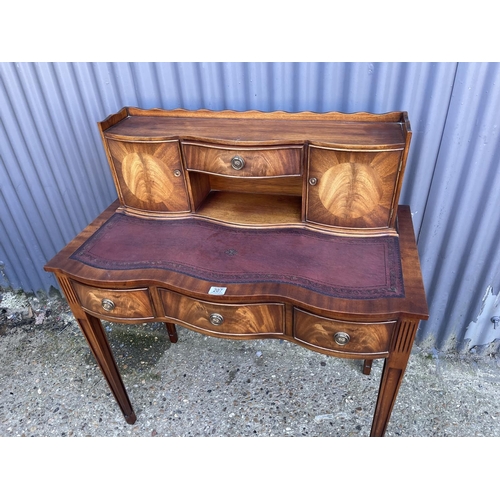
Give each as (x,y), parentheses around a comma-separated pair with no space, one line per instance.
(254,225)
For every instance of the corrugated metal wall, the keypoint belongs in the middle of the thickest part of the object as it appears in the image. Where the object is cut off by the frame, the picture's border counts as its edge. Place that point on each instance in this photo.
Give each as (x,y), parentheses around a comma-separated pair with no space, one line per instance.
(459,239)
(55,178)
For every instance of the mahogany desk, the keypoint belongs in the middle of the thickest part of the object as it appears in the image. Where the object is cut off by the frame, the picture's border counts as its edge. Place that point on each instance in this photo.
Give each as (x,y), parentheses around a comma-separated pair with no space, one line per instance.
(254,225)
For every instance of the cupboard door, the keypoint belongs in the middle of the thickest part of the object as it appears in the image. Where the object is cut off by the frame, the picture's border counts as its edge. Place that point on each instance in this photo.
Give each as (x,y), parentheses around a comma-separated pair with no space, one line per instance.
(149,175)
(352,189)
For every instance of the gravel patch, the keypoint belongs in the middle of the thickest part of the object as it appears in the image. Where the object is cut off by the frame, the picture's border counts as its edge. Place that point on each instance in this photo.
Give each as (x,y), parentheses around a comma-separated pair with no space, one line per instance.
(50,384)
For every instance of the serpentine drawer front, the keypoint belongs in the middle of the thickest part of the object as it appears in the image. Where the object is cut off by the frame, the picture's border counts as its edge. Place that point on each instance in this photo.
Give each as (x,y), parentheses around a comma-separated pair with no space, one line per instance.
(129,304)
(244,319)
(250,162)
(343,337)
(251,225)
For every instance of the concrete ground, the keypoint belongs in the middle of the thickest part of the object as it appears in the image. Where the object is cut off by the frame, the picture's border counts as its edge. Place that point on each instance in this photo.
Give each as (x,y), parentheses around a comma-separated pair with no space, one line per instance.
(50,384)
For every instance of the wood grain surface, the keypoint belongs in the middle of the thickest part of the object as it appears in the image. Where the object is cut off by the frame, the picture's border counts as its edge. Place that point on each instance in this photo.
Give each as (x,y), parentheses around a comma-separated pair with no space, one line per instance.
(241,320)
(129,304)
(258,162)
(366,339)
(149,176)
(354,189)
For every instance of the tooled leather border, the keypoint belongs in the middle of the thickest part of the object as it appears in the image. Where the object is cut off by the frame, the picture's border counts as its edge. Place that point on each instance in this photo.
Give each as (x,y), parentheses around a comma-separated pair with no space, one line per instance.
(394,275)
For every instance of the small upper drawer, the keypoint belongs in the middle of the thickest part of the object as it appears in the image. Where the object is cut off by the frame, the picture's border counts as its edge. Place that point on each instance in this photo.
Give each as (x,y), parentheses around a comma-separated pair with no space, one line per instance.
(243,162)
(235,319)
(342,336)
(129,304)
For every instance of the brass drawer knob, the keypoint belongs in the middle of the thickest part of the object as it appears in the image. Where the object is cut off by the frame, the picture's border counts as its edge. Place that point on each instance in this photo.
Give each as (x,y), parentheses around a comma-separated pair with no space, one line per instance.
(237,162)
(313,181)
(216,319)
(107,304)
(341,338)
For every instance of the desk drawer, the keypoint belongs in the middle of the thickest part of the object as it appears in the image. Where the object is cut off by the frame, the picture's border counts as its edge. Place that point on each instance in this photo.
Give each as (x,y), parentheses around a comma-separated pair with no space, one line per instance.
(115,304)
(244,162)
(225,319)
(342,336)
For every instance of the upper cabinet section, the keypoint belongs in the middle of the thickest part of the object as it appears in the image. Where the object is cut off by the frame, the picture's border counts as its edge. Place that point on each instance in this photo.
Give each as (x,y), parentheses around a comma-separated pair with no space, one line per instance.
(331,171)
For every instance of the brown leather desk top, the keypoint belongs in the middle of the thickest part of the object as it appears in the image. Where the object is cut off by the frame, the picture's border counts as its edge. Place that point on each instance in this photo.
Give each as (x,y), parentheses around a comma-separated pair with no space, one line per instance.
(351,268)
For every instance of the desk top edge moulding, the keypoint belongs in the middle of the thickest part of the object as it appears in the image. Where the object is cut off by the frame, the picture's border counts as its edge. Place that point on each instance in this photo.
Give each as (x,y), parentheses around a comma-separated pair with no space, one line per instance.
(249,225)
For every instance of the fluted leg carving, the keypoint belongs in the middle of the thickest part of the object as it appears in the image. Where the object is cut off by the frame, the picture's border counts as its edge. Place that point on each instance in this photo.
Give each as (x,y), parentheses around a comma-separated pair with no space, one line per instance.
(99,345)
(392,374)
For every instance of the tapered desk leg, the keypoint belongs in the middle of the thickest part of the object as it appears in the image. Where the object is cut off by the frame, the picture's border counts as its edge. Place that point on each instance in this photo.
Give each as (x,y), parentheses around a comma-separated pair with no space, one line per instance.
(367,366)
(172,332)
(99,345)
(98,342)
(392,375)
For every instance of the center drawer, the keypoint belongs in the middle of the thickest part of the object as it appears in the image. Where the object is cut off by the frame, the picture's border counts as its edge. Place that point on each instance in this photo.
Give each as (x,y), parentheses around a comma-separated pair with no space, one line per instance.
(243,162)
(115,304)
(232,319)
(354,339)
